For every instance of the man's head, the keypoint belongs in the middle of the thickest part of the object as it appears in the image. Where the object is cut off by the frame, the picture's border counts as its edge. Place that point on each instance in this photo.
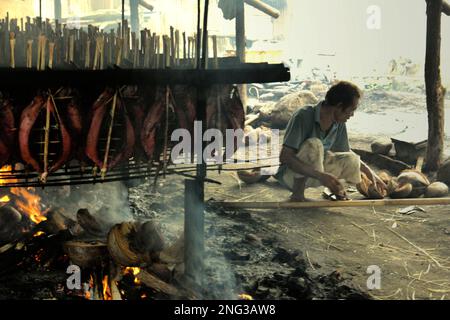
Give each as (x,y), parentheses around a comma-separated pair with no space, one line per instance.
(344,98)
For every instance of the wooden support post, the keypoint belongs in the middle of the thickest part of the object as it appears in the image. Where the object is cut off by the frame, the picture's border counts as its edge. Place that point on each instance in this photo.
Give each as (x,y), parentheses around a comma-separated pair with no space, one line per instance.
(435,90)
(134,15)
(58,10)
(193,230)
(240,45)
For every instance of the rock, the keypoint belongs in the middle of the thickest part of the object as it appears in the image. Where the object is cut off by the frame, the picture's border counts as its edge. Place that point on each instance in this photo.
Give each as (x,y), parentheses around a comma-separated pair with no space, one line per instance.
(237,256)
(285,108)
(382,146)
(318,89)
(417,179)
(265,110)
(436,190)
(253,239)
(444,173)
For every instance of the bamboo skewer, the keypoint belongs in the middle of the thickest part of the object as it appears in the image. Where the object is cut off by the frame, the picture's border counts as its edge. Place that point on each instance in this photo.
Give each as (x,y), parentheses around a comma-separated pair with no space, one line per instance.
(12,44)
(166,132)
(108,143)
(29,54)
(87,58)
(43,52)
(51,50)
(43,177)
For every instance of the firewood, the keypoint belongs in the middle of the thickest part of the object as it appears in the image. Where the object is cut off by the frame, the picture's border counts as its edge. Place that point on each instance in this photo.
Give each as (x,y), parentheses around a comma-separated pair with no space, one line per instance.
(149,239)
(89,224)
(119,245)
(86,254)
(174,253)
(10,220)
(56,222)
(158,285)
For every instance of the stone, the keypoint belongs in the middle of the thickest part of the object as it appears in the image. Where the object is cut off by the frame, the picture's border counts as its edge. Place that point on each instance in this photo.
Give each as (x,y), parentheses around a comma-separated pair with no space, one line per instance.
(288,105)
(382,146)
(436,190)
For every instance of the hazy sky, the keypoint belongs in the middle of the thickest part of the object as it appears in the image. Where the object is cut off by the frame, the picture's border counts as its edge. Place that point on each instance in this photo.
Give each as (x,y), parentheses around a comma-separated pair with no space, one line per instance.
(340,27)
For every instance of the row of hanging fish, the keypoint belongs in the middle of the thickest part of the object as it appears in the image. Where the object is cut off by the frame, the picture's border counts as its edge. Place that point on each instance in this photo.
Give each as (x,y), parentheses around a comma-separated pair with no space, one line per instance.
(123,123)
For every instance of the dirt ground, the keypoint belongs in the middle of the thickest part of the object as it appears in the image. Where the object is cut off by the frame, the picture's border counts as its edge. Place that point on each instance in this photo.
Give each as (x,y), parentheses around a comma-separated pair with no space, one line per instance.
(265,252)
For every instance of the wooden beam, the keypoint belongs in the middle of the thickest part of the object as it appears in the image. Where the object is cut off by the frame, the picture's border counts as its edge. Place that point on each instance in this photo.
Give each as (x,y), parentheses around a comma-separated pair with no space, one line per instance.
(334,204)
(240,45)
(434,89)
(146,5)
(264,7)
(134,15)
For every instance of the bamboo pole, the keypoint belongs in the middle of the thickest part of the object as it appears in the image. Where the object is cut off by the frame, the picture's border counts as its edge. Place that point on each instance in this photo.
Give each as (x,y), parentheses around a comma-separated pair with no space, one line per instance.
(334,204)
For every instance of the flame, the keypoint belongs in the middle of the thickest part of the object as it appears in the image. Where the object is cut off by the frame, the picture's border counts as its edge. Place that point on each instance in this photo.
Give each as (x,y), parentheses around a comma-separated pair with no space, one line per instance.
(134,271)
(38,234)
(245,296)
(30,205)
(106,289)
(27,202)
(143,296)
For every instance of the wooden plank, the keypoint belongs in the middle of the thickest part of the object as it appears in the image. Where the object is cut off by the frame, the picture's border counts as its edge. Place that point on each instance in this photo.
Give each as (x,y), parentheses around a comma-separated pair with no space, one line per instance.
(264,7)
(334,204)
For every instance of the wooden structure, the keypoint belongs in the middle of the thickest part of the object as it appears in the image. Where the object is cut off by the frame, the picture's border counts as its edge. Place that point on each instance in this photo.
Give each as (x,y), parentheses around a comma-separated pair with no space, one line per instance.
(435,90)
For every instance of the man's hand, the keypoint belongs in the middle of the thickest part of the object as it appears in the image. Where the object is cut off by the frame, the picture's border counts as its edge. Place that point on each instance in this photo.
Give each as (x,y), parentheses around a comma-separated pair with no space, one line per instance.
(376,180)
(332,183)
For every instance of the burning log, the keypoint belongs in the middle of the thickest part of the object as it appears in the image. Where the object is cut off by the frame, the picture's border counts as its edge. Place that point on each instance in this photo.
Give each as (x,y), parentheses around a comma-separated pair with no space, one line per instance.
(158,285)
(119,246)
(89,224)
(86,254)
(10,220)
(149,239)
(56,222)
(134,244)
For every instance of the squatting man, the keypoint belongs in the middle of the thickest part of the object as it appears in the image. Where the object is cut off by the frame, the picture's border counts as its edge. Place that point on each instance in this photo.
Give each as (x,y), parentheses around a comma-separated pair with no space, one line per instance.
(316,149)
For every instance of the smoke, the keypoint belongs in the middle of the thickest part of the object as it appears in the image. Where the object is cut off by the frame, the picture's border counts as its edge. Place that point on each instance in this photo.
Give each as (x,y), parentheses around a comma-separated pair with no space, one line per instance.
(108,202)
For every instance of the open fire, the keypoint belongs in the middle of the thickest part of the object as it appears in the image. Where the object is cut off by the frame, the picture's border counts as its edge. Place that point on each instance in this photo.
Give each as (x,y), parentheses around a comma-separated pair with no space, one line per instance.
(123,261)
(26,200)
